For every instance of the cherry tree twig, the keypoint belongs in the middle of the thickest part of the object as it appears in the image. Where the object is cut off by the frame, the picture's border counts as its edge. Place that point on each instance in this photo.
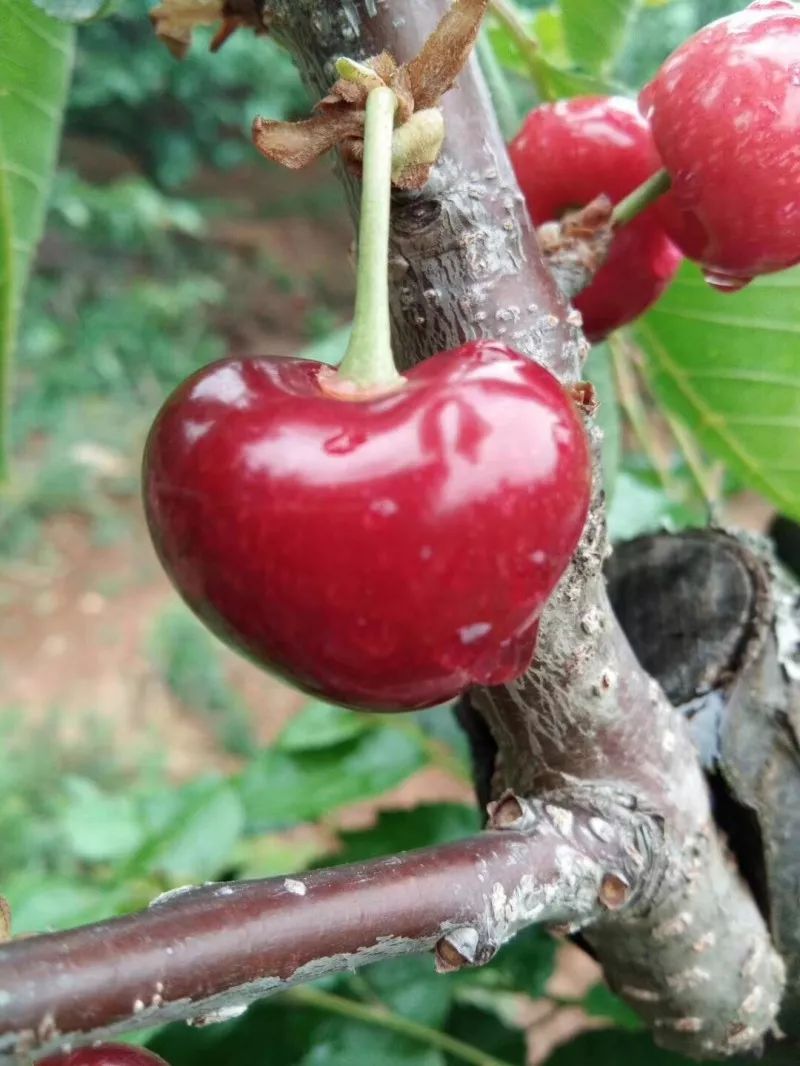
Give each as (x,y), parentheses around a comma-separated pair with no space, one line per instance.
(205,953)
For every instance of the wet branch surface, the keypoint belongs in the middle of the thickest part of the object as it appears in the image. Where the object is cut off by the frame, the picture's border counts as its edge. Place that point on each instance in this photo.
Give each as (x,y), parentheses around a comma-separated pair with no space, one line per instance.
(205,953)
(607,811)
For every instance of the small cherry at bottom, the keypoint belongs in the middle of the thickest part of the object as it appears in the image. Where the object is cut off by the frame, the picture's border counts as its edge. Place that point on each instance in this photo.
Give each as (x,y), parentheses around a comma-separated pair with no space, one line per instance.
(382,551)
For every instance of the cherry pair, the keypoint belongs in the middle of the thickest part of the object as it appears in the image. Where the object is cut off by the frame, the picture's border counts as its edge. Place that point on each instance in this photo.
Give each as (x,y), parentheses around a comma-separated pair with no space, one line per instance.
(722,118)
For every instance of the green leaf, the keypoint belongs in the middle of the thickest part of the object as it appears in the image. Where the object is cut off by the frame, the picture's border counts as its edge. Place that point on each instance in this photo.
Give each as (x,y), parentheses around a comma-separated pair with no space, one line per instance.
(485,1032)
(728,367)
(411,986)
(100,827)
(548,29)
(35,64)
(553,79)
(278,1033)
(321,725)
(611,1047)
(524,964)
(75,10)
(271,1032)
(41,903)
(561,83)
(506,48)
(421,827)
(598,371)
(275,853)
(349,1043)
(193,831)
(284,788)
(595,30)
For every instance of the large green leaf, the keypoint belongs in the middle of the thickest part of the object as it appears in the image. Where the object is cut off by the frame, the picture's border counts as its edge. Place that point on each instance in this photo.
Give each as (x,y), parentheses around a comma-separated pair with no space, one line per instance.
(193,831)
(284,788)
(35,62)
(280,1033)
(595,30)
(729,367)
(410,986)
(546,65)
(99,827)
(43,902)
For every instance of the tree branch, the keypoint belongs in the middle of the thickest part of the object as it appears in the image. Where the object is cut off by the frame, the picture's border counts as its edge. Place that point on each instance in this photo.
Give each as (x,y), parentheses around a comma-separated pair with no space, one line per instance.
(204,953)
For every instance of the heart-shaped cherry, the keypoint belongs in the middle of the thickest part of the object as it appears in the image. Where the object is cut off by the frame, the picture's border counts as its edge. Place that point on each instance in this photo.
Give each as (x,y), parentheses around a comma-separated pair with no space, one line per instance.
(382,541)
(105,1055)
(383,553)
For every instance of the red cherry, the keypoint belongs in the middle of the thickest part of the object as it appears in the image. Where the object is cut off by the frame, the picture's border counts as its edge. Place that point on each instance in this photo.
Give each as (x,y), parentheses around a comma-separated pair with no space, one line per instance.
(105,1055)
(383,552)
(567,154)
(725,113)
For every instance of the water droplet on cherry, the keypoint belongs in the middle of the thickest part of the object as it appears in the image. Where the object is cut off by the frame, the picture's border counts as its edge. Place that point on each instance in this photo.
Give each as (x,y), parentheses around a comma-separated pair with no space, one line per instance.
(725,283)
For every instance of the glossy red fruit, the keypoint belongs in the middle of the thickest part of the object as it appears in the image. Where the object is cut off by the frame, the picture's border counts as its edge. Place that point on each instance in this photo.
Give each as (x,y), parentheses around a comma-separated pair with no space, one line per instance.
(382,553)
(105,1055)
(725,114)
(567,154)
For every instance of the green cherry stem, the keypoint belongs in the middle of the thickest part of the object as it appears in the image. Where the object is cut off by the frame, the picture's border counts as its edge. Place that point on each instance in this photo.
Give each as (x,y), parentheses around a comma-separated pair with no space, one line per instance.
(368,363)
(640,199)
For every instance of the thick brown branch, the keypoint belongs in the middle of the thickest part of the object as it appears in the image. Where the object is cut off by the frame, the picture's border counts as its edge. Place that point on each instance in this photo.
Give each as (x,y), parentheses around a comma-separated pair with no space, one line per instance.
(205,953)
(732,667)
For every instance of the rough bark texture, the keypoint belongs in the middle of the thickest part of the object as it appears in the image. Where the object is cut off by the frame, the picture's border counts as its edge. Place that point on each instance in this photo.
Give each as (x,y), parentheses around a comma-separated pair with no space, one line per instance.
(759,759)
(205,953)
(718,622)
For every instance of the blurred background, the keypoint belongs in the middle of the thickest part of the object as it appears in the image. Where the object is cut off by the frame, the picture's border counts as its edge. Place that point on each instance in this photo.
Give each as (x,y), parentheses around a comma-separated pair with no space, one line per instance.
(137,752)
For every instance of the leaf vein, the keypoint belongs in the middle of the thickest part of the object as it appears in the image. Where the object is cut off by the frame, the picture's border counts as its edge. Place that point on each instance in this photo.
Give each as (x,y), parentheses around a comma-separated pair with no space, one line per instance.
(712,420)
(37,31)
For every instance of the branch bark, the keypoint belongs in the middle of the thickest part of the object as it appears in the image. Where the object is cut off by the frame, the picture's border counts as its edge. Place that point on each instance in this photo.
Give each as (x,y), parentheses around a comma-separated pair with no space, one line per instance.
(732,668)
(204,953)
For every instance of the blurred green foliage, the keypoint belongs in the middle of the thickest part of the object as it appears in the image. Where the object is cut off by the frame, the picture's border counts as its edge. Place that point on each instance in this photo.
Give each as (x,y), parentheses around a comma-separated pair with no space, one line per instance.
(190,662)
(174,116)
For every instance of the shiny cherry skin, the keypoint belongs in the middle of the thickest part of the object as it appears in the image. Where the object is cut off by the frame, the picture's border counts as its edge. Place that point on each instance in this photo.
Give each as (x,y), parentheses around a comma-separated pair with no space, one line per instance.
(105,1055)
(384,552)
(725,115)
(568,153)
